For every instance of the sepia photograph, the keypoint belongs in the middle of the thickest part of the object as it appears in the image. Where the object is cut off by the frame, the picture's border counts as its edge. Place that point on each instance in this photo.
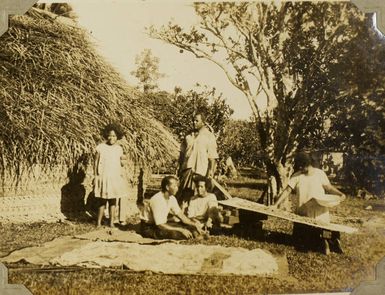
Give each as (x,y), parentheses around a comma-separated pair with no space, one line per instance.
(180,147)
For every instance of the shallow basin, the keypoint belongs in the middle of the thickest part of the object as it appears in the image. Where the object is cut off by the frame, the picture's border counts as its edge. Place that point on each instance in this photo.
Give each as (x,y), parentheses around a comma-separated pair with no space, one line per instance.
(328,200)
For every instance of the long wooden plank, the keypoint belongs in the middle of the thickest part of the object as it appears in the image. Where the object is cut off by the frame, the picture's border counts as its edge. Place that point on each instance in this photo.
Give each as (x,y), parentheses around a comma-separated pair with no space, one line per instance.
(222,189)
(259,208)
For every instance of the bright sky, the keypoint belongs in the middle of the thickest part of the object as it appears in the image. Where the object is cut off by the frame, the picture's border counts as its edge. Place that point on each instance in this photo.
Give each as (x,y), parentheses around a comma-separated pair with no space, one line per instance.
(118,30)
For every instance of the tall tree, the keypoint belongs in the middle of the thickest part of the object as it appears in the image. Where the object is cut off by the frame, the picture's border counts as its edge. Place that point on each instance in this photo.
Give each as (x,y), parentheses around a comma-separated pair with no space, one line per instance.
(147,71)
(278,52)
(176,110)
(239,142)
(357,121)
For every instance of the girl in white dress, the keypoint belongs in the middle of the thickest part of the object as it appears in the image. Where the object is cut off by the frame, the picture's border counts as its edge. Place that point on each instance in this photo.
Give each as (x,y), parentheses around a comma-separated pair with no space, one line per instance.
(109,184)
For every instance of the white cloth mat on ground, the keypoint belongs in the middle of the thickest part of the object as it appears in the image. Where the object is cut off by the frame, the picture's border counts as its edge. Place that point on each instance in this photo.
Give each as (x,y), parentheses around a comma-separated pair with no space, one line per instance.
(168,258)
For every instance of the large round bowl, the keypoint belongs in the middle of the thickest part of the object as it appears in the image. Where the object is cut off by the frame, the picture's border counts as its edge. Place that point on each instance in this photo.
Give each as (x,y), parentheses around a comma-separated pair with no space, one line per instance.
(328,200)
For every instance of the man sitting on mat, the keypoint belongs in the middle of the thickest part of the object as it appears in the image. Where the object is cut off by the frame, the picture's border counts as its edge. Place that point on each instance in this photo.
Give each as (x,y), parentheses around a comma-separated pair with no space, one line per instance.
(156,210)
(203,207)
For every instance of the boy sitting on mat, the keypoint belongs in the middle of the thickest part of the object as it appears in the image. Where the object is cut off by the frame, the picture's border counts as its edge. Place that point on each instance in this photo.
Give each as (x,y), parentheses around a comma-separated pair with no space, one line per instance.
(203,206)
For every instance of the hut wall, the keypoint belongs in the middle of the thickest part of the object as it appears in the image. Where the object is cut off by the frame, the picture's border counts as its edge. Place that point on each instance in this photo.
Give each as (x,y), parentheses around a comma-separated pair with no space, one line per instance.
(56,193)
(34,181)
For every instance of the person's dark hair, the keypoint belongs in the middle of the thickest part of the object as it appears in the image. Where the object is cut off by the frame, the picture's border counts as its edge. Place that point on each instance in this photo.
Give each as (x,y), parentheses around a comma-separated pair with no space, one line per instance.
(200,178)
(202,115)
(113,127)
(316,159)
(301,160)
(166,181)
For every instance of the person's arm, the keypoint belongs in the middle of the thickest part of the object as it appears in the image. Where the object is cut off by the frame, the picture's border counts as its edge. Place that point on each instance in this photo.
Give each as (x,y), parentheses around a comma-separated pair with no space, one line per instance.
(328,187)
(175,209)
(282,196)
(186,233)
(123,160)
(333,190)
(211,168)
(185,219)
(212,201)
(96,163)
(123,157)
(191,210)
(188,221)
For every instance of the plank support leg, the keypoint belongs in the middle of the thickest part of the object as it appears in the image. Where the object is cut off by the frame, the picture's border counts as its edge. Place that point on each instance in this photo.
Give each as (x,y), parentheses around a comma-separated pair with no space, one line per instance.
(251,223)
(334,239)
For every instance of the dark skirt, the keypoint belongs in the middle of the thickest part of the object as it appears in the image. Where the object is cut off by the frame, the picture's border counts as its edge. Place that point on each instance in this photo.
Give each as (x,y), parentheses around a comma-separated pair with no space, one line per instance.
(186,186)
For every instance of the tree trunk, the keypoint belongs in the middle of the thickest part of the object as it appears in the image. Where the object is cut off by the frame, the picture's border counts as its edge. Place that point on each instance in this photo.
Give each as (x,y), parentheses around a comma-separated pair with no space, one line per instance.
(277,178)
(231,171)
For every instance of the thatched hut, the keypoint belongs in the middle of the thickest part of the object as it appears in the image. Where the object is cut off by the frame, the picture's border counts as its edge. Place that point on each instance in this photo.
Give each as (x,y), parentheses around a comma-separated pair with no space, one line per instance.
(56,95)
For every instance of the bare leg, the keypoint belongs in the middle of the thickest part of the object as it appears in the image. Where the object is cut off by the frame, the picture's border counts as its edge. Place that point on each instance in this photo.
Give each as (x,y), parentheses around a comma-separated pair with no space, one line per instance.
(112,215)
(325,247)
(100,215)
(216,216)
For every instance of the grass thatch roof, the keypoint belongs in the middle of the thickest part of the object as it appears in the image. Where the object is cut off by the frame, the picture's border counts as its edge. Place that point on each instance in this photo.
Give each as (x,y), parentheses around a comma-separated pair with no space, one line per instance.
(57,93)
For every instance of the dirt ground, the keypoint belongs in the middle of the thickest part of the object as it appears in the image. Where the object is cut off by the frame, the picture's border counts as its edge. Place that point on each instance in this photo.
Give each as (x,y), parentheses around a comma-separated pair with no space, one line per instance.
(308,271)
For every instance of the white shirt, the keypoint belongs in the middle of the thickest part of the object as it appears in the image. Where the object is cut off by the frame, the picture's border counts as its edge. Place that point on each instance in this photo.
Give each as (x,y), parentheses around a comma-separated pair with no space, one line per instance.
(157,209)
(198,149)
(199,206)
(306,187)
(309,186)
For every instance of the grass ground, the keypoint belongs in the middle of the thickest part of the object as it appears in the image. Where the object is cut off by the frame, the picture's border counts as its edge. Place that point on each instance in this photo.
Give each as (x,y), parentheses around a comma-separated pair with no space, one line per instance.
(308,271)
